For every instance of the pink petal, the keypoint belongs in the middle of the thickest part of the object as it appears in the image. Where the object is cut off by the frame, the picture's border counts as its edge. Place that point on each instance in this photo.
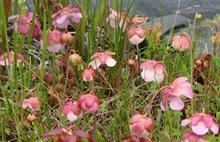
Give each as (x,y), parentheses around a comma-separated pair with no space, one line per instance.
(76,17)
(196,118)
(71,117)
(135,39)
(55,132)
(113,23)
(83,134)
(136,118)
(162,106)
(187,91)
(94,108)
(95,64)
(185,122)
(159,78)
(179,81)
(215,128)
(148,63)
(70,138)
(54,48)
(110,62)
(148,74)
(62,18)
(176,103)
(200,128)
(208,120)
(26,103)
(137,128)
(63,25)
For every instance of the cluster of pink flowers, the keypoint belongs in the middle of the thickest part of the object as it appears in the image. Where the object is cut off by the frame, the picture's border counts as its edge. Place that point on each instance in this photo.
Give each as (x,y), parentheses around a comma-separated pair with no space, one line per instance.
(8,59)
(88,102)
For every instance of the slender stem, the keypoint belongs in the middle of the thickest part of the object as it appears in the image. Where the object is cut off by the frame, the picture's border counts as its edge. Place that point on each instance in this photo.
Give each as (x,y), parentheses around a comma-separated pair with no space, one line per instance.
(95,129)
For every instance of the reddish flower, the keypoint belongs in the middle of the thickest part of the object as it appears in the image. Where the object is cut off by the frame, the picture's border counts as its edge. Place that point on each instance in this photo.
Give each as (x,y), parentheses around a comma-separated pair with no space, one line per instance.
(201,123)
(66,134)
(64,16)
(181,42)
(89,102)
(136,35)
(178,90)
(8,59)
(100,58)
(88,74)
(31,117)
(192,137)
(141,125)
(32,103)
(72,110)
(153,71)
(54,43)
(24,24)
(48,77)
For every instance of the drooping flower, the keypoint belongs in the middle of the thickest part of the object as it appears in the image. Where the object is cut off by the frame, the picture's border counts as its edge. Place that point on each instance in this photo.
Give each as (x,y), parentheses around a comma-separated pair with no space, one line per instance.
(101,58)
(136,35)
(33,103)
(201,123)
(141,125)
(66,38)
(31,117)
(72,110)
(8,59)
(88,74)
(63,17)
(175,93)
(54,43)
(153,71)
(67,134)
(75,58)
(89,102)
(116,18)
(192,137)
(181,42)
(24,24)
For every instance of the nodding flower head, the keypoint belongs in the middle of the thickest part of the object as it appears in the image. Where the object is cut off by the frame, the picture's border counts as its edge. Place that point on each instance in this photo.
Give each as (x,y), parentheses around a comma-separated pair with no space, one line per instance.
(136,35)
(201,123)
(63,17)
(33,103)
(72,110)
(8,59)
(88,74)
(54,43)
(24,24)
(175,93)
(116,18)
(66,38)
(89,102)
(192,137)
(141,125)
(100,58)
(67,134)
(153,71)
(75,58)
(181,42)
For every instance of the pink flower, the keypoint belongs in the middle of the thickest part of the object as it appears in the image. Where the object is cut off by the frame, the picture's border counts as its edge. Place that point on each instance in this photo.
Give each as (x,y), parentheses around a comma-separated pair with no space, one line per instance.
(24,24)
(88,74)
(72,110)
(67,134)
(54,43)
(176,92)
(8,59)
(116,18)
(32,103)
(64,16)
(153,71)
(201,123)
(136,35)
(141,125)
(100,58)
(181,42)
(89,102)
(192,137)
